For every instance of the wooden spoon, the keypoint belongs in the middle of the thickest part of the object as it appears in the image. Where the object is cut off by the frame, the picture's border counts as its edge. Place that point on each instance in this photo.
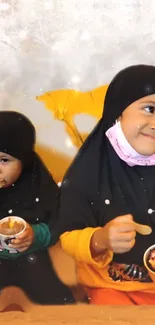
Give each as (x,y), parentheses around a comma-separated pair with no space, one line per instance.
(142,229)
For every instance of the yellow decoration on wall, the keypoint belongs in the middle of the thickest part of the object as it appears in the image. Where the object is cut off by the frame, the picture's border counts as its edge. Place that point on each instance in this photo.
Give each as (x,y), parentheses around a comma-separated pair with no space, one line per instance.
(66,104)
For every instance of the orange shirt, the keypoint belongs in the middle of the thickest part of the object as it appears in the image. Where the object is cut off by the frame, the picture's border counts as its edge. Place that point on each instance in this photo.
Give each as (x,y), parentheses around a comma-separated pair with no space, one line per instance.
(94,273)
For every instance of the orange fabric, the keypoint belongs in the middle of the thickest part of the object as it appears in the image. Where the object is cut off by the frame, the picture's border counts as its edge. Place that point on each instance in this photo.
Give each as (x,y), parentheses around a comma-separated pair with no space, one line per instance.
(94,273)
(77,244)
(115,297)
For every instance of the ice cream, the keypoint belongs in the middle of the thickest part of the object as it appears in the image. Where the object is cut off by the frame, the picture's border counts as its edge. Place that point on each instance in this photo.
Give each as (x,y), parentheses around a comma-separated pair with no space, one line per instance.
(2,183)
(151,260)
(11,227)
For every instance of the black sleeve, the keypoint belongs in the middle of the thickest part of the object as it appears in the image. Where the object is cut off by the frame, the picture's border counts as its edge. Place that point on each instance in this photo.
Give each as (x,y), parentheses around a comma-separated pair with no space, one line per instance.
(75,211)
(51,191)
(48,191)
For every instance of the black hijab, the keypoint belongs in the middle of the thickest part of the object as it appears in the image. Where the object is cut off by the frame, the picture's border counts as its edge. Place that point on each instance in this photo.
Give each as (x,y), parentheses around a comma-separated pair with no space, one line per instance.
(97,174)
(34,195)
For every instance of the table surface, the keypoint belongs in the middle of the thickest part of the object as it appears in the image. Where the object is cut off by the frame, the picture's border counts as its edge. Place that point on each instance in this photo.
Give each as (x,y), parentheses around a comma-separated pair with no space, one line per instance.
(80,314)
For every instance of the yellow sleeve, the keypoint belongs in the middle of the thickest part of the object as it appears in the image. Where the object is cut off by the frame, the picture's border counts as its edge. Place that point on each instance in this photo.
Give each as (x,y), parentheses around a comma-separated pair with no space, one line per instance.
(77,244)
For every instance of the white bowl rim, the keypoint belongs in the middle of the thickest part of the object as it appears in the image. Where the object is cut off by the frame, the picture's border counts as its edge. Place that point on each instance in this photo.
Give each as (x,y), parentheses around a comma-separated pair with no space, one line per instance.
(145,256)
(16,218)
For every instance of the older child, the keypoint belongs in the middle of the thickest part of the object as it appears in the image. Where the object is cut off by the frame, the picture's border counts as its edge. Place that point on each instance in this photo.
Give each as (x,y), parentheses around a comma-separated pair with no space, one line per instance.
(109,187)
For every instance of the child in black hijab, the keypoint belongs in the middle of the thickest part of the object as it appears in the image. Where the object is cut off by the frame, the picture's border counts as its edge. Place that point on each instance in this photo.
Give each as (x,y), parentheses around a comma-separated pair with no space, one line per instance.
(28,191)
(109,187)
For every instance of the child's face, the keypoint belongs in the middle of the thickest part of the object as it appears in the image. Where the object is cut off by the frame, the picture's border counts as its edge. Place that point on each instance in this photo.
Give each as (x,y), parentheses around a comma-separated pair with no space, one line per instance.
(138,125)
(10,169)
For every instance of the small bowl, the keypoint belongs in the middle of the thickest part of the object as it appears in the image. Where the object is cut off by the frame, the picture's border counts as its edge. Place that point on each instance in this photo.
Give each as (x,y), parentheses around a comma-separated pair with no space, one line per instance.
(145,260)
(5,239)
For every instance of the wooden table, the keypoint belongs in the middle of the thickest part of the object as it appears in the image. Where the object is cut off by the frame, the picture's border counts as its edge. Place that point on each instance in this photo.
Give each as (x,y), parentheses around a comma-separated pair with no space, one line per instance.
(80,314)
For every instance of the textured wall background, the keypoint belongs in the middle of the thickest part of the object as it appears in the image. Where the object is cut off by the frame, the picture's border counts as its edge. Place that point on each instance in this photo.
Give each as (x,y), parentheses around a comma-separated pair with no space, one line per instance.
(53,44)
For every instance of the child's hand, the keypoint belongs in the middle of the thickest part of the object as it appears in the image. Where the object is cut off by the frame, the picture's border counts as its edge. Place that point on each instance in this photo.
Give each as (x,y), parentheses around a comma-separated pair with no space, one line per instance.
(24,241)
(117,235)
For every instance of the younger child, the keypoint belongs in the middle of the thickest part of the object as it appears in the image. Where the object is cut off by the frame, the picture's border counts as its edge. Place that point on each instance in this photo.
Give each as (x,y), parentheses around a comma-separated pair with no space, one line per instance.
(111,185)
(28,191)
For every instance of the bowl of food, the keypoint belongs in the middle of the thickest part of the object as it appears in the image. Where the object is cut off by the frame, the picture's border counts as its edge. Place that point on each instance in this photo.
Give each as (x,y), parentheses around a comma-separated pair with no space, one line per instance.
(149,261)
(11,228)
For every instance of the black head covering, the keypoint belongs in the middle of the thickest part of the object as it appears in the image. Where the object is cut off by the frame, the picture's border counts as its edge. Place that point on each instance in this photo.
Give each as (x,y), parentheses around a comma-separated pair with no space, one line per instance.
(97,174)
(34,195)
(17,135)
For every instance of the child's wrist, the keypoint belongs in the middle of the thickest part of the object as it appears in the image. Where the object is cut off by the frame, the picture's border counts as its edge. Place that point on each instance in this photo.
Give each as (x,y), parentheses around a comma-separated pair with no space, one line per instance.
(98,245)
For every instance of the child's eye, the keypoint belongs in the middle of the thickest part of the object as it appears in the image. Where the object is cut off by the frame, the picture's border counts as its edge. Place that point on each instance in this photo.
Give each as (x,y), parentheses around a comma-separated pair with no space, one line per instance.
(4,160)
(149,109)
